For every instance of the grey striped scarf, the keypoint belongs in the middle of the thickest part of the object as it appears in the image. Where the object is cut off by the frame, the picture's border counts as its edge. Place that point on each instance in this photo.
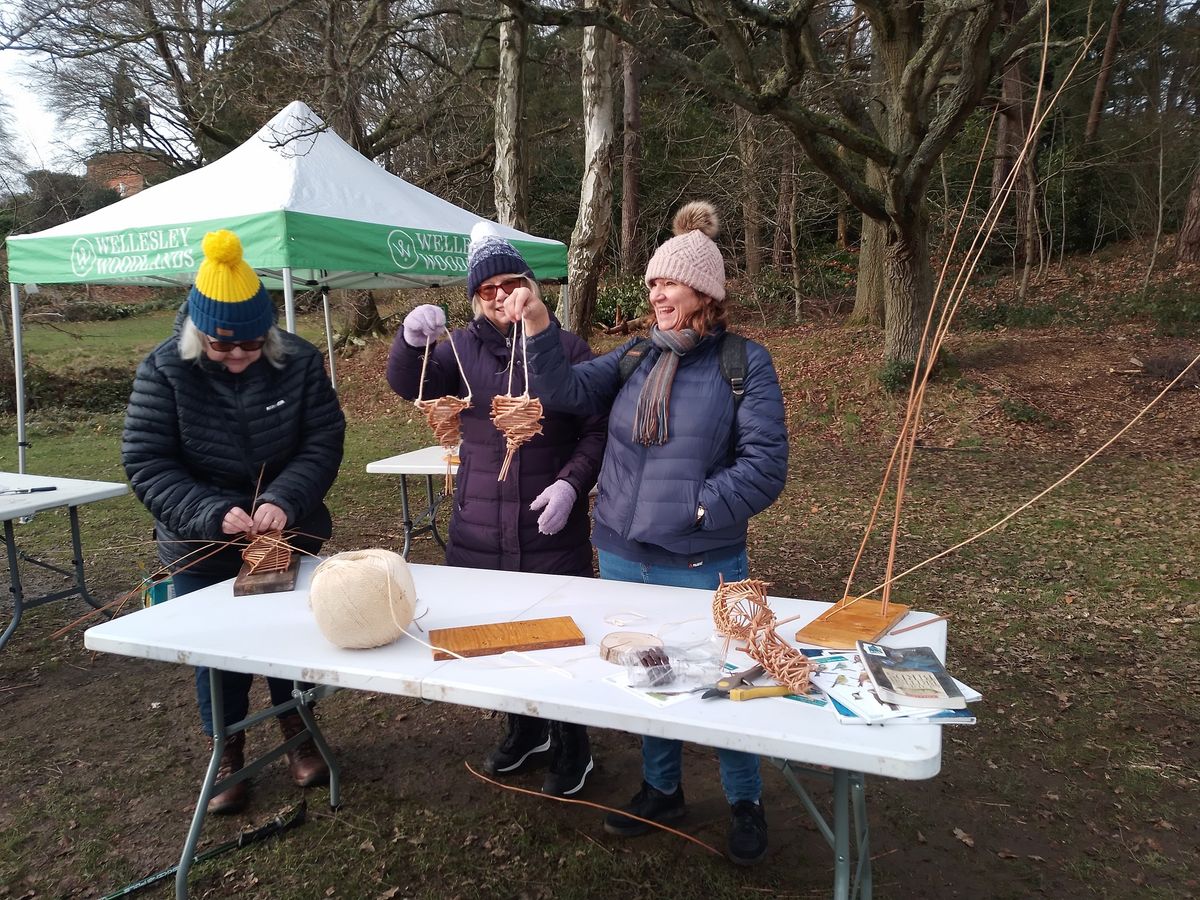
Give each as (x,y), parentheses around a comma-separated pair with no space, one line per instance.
(654,403)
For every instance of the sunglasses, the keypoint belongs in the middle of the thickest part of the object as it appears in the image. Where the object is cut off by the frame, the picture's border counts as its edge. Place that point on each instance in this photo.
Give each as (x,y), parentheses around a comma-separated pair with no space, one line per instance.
(228,346)
(488,291)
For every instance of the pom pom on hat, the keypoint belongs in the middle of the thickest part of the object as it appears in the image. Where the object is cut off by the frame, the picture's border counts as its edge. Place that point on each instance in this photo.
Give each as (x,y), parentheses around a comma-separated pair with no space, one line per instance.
(228,301)
(488,255)
(691,257)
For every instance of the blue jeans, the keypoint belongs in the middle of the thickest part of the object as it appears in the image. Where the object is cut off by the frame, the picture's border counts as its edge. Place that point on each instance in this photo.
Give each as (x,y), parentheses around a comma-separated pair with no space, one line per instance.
(235,686)
(662,759)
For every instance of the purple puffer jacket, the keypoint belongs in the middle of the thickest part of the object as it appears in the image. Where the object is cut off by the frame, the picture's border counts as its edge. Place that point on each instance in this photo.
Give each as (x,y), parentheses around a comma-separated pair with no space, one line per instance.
(492,526)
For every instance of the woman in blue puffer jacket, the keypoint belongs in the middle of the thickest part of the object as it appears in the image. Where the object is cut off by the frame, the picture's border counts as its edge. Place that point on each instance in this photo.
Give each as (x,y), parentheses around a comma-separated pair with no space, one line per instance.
(686,466)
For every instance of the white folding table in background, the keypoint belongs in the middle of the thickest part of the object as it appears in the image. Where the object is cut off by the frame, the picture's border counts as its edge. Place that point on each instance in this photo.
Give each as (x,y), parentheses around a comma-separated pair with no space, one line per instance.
(275,634)
(25,495)
(429,463)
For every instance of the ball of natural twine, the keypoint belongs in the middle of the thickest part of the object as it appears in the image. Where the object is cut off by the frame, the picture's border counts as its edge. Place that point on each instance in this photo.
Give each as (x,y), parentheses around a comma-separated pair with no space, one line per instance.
(363,598)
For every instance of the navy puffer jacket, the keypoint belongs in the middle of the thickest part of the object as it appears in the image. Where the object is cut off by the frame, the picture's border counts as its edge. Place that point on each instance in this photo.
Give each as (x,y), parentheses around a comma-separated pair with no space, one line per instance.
(199,440)
(648,496)
(492,526)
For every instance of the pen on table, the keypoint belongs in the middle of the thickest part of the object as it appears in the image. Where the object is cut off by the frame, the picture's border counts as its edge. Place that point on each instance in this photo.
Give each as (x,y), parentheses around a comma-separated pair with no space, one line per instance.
(36,490)
(919,624)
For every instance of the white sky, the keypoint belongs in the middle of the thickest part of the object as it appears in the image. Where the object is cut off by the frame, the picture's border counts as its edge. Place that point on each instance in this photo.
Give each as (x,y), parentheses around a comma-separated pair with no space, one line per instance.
(33,126)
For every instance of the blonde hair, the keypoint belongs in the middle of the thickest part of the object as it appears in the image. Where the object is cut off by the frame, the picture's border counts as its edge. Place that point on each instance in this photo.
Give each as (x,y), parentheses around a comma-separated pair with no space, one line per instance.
(191,344)
(531,283)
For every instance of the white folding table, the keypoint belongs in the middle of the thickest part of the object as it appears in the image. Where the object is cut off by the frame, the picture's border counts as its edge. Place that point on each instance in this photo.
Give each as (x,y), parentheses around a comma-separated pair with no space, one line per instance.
(428,462)
(275,634)
(22,496)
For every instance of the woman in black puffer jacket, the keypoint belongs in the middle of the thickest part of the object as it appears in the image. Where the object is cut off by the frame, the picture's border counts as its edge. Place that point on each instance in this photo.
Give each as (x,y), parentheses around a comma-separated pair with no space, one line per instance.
(232,428)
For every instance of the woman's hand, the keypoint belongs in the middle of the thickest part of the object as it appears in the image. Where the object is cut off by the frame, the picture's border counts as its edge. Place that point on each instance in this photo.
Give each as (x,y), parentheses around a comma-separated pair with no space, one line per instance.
(557,500)
(424,325)
(236,521)
(269,517)
(524,302)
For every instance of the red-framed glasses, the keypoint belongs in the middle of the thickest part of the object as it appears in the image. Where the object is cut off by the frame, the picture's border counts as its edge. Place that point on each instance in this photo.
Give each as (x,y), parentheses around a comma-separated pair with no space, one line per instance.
(488,291)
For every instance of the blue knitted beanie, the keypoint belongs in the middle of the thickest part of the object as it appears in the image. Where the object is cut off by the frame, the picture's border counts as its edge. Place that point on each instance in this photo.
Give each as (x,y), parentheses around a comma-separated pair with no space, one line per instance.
(489,255)
(228,301)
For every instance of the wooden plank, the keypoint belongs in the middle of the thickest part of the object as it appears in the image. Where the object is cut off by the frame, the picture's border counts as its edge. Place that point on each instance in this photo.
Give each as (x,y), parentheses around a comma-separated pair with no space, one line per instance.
(500,637)
(266,582)
(842,626)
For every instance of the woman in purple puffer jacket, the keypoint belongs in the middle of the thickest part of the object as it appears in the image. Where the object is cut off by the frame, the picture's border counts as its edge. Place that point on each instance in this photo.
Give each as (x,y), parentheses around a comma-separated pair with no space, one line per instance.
(536,519)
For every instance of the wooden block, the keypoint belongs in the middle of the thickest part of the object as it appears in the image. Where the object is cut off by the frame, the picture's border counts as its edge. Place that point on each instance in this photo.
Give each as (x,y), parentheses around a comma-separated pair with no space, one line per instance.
(842,626)
(500,637)
(266,582)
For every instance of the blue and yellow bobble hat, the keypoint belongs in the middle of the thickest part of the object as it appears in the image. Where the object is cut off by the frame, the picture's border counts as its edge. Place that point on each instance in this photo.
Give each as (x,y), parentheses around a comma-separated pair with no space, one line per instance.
(228,301)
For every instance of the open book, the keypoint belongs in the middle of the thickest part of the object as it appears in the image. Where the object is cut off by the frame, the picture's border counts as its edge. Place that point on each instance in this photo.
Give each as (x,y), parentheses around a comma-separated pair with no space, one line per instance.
(910,676)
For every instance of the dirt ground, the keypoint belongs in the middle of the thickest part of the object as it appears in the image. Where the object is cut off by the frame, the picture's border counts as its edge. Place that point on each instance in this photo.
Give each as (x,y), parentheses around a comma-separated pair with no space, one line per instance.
(1080,779)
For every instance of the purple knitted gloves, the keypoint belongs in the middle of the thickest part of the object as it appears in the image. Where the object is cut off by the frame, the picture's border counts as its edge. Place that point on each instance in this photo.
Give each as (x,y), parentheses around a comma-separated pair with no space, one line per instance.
(557,501)
(423,325)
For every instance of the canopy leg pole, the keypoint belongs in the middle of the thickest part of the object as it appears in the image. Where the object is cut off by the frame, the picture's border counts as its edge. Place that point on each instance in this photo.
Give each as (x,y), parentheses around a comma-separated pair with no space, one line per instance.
(289,301)
(329,334)
(19,375)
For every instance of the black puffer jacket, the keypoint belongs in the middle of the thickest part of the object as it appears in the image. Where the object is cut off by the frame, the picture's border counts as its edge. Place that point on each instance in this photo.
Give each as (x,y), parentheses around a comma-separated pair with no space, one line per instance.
(198,439)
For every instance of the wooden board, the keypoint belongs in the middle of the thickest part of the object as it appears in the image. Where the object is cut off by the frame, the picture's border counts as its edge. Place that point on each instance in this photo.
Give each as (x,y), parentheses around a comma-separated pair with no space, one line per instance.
(840,627)
(500,637)
(266,582)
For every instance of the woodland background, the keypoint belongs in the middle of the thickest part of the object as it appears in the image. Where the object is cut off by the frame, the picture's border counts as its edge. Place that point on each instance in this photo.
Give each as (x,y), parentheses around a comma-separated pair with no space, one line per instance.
(840,143)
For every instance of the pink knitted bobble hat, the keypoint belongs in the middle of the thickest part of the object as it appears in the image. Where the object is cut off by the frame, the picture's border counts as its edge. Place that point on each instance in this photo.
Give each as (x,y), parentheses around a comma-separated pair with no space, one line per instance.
(691,257)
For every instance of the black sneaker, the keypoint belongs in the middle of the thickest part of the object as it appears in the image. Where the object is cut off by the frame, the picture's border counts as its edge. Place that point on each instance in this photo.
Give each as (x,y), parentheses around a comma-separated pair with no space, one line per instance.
(747,833)
(571,760)
(527,737)
(648,803)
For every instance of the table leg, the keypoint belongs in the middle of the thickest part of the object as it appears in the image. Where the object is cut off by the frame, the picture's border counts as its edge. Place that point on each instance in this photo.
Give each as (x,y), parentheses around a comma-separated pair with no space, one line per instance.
(434,501)
(405,516)
(14,574)
(77,560)
(206,788)
(849,801)
(211,786)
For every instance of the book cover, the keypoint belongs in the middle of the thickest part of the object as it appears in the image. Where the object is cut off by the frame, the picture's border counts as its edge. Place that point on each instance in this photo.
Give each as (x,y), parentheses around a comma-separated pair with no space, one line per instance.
(847,716)
(910,676)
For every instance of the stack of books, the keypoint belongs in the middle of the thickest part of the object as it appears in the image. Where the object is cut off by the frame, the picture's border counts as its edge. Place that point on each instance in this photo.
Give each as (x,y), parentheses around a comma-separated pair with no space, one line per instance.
(877,685)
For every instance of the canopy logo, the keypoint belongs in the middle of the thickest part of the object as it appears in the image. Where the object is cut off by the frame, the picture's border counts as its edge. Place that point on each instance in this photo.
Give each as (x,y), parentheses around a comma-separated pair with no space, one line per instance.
(83,257)
(403,250)
(129,254)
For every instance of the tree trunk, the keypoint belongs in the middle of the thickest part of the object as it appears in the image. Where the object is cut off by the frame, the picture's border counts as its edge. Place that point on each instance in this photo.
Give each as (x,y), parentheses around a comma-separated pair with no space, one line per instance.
(1110,51)
(509,172)
(1189,234)
(362,315)
(631,162)
(909,287)
(590,235)
(751,206)
(870,289)
(783,252)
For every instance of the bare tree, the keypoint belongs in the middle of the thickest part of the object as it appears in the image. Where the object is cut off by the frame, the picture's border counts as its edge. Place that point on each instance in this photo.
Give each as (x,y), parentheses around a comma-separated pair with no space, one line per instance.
(937,59)
(590,236)
(509,172)
(631,160)
(1106,64)
(1189,232)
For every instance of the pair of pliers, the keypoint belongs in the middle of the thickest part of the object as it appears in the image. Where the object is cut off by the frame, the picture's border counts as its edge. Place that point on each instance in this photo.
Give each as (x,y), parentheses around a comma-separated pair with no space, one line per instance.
(736,686)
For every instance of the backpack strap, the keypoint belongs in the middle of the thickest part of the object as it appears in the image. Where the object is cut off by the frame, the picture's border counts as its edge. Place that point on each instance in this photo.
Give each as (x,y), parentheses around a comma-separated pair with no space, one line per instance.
(632,358)
(733,365)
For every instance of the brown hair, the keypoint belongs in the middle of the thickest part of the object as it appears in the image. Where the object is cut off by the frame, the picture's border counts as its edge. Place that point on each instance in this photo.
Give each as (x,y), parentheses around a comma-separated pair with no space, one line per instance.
(711,315)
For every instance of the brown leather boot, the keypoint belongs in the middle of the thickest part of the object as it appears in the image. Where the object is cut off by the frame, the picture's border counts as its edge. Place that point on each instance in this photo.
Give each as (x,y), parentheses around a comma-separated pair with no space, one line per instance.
(305,763)
(232,759)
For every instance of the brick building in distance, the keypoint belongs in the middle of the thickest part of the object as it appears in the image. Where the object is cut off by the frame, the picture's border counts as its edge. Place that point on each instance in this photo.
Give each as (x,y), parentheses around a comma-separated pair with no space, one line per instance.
(127,171)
